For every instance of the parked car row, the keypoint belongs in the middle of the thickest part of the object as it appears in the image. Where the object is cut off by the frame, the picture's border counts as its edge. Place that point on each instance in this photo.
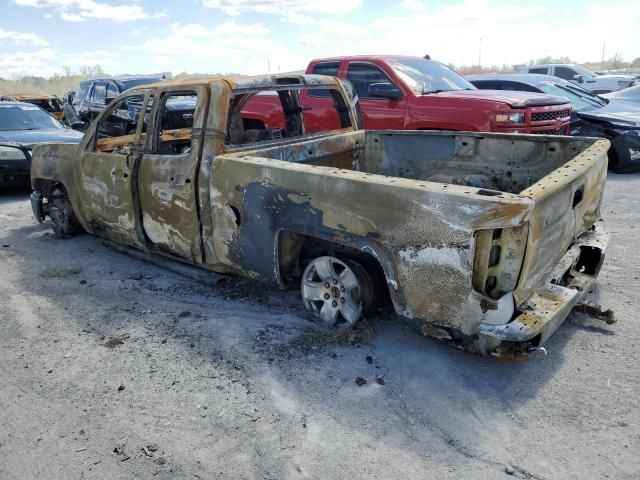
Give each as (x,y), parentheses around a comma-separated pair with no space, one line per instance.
(50,103)
(412,93)
(22,126)
(415,93)
(393,92)
(584,77)
(614,117)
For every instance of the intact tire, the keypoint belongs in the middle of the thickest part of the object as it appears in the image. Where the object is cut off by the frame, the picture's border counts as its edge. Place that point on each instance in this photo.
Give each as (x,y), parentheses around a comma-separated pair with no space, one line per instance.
(338,292)
(63,219)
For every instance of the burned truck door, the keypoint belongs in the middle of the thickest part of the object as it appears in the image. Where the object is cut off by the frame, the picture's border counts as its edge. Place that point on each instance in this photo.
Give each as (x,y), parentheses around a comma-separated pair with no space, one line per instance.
(167,178)
(107,170)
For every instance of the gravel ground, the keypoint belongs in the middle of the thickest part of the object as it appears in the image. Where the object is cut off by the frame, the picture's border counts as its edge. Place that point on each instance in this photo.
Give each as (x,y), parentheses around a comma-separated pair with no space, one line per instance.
(112,368)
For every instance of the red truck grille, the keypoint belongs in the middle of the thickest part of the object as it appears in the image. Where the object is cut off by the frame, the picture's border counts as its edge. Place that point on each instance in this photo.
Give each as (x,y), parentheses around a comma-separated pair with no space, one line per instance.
(542,116)
(556,131)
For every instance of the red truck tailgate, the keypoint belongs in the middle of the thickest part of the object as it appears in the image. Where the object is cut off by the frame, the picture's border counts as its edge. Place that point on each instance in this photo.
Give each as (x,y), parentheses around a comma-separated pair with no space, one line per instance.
(567,204)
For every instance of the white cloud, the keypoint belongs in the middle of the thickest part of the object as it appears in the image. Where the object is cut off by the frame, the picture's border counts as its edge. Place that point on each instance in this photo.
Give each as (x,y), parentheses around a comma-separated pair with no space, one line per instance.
(412,5)
(329,29)
(28,63)
(506,30)
(233,28)
(230,47)
(299,19)
(79,10)
(450,32)
(71,17)
(46,62)
(107,59)
(23,39)
(283,7)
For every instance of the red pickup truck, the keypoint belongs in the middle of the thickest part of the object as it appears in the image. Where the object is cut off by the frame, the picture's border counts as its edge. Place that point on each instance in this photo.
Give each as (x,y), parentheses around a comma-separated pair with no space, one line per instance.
(414,93)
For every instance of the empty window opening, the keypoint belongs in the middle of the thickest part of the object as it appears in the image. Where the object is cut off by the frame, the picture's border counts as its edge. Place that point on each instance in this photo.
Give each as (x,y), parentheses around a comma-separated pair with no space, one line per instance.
(274,115)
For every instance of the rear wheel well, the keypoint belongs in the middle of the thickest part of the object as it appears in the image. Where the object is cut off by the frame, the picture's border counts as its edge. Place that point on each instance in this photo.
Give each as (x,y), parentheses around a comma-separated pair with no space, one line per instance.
(59,209)
(296,251)
(45,187)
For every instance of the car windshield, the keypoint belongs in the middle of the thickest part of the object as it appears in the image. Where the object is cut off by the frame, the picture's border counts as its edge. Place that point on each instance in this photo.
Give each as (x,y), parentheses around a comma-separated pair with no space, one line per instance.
(22,117)
(585,72)
(427,76)
(579,99)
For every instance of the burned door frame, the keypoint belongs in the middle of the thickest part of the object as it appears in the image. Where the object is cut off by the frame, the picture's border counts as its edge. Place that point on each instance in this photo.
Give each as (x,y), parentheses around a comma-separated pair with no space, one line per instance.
(107,179)
(167,184)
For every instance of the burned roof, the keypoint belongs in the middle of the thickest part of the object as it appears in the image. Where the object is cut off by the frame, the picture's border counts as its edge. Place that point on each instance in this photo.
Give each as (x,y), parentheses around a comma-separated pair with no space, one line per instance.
(260,82)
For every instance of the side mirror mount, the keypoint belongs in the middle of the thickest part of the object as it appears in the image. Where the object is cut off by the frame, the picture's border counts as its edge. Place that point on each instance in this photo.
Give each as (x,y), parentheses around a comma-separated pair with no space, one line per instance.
(384,90)
(579,78)
(80,126)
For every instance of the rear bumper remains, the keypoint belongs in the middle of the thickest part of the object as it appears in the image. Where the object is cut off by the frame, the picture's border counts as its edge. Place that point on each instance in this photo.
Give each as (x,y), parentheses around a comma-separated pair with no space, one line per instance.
(541,315)
(37,206)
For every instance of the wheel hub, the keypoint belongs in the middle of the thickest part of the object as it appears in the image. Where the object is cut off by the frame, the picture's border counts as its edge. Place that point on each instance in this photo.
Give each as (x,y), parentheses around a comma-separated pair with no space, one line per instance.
(332,291)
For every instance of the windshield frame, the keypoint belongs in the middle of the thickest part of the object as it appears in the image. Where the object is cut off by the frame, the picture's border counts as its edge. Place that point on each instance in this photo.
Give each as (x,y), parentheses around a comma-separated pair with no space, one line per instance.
(419,87)
(46,118)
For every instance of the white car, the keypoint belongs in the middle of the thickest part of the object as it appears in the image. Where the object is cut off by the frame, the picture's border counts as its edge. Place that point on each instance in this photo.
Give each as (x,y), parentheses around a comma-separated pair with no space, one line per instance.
(582,76)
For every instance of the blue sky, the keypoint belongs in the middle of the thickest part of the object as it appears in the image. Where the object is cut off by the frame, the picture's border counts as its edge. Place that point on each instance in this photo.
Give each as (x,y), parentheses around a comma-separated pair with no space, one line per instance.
(250,37)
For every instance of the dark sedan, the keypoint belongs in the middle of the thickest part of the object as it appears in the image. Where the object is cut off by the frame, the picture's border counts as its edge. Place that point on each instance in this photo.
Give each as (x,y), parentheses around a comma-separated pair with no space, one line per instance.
(23,125)
(631,94)
(614,118)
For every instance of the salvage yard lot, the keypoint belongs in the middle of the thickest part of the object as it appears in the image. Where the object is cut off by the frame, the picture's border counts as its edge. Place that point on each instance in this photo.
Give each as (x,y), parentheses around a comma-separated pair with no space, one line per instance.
(112,368)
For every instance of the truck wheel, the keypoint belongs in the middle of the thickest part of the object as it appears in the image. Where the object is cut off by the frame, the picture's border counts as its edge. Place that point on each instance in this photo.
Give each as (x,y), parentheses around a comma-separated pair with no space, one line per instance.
(337,291)
(64,221)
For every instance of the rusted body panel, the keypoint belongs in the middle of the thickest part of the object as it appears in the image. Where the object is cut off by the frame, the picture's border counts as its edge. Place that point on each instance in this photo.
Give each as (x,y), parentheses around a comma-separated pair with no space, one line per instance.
(468,229)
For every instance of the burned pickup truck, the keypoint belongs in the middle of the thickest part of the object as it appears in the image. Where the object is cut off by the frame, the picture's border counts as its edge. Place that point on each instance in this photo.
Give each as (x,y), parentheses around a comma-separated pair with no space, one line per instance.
(485,241)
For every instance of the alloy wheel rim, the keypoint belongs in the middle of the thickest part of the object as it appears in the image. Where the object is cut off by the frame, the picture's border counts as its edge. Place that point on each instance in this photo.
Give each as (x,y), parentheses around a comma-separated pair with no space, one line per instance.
(331,289)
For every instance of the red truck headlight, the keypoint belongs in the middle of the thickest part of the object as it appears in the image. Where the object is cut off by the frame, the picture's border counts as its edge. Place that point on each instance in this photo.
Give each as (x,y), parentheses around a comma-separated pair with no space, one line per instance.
(510,118)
